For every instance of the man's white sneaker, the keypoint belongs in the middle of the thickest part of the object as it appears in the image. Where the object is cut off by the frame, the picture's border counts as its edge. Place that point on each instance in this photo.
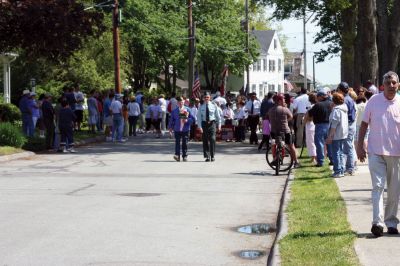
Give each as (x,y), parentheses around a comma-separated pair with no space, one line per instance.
(72,150)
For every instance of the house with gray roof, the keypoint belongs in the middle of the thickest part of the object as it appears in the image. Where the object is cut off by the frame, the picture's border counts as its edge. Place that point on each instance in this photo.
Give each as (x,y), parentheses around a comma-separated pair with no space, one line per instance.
(267,72)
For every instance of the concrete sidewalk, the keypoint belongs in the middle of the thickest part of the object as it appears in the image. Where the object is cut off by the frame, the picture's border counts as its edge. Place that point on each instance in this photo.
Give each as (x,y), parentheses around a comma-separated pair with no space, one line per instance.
(356,192)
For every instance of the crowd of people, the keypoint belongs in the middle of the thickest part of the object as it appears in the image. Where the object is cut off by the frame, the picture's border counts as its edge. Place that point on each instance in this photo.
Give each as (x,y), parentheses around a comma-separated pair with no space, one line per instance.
(313,118)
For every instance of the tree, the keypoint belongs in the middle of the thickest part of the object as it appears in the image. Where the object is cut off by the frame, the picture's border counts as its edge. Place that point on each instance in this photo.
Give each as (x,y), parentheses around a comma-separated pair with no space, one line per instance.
(220,39)
(367,60)
(53,29)
(388,35)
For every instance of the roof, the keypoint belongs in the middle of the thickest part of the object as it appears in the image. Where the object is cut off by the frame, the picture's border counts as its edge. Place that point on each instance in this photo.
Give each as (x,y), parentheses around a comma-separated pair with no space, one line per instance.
(264,37)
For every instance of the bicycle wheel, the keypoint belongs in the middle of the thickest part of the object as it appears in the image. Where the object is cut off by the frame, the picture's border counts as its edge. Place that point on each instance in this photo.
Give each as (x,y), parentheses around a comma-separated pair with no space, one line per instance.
(286,160)
(278,160)
(270,158)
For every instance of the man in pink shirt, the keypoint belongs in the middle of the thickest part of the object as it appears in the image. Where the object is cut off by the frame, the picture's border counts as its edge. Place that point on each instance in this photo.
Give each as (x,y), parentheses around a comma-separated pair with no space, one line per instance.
(382,115)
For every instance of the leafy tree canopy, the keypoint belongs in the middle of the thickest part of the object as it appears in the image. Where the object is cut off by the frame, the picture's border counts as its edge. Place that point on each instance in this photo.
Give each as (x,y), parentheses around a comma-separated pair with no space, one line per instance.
(46,28)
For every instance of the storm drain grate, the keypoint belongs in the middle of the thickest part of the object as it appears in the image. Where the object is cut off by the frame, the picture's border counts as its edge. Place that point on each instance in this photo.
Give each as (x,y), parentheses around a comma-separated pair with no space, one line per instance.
(256,229)
(251,254)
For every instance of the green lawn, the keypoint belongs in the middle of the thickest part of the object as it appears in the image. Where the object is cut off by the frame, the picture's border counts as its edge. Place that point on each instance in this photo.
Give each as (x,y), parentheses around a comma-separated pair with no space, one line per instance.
(319,233)
(7,150)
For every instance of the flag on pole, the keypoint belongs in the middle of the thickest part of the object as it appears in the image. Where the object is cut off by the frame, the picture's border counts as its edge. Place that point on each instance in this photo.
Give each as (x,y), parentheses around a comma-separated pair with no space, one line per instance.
(196,91)
(224,75)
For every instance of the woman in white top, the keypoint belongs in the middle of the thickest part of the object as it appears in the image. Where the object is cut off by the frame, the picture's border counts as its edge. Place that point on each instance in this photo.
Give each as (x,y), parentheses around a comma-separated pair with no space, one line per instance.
(240,128)
(228,114)
(133,115)
(310,130)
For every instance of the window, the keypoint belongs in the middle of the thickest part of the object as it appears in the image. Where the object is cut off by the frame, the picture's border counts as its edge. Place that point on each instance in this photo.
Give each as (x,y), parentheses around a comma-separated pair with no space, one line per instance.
(273,87)
(259,65)
(255,66)
(275,44)
(279,65)
(253,87)
(279,88)
(260,89)
(271,65)
(265,65)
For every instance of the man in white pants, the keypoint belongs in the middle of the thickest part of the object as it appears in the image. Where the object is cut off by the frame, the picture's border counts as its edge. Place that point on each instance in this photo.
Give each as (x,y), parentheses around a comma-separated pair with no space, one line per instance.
(382,115)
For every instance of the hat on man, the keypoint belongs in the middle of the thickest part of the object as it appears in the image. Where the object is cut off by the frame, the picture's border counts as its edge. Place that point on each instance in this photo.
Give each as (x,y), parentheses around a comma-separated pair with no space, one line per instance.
(343,86)
(33,93)
(117,96)
(207,93)
(25,92)
(323,92)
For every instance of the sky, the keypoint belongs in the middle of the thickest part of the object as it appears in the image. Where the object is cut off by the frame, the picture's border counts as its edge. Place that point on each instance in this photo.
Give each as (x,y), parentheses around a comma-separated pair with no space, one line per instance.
(327,72)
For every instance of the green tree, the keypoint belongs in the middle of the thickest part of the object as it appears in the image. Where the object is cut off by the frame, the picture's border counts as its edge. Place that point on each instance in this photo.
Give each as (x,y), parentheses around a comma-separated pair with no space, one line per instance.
(221,39)
(52,29)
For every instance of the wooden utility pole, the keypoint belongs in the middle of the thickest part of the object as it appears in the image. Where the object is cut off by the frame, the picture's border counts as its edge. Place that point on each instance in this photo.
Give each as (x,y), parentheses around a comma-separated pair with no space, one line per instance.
(305,50)
(191,46)
(117,76)
(247,47)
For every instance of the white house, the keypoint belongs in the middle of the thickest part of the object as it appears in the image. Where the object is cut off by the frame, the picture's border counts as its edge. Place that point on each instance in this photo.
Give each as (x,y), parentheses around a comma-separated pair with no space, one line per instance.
(267,73)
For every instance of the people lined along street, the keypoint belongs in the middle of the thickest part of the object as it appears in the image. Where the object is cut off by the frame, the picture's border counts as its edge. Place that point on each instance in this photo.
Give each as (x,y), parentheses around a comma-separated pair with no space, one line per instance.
(230,118)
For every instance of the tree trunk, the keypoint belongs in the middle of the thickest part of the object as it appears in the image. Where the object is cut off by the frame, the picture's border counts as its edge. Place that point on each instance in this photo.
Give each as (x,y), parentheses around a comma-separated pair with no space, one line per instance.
(206,75)
(174,77)
(347,43)
(393,38)
(367,41)
(382,37)
(166,76)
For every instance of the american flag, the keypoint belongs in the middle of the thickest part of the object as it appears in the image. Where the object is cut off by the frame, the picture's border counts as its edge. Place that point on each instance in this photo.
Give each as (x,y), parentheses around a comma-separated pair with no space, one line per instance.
(196,91)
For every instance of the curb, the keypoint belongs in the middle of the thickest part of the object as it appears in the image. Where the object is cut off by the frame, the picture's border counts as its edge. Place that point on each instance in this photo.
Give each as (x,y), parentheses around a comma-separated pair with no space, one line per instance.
(281,223)
(26,154)
(15,156)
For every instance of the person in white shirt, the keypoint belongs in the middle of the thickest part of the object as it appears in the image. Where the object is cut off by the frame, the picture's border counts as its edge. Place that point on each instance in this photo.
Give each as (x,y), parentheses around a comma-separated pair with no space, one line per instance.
(219,99)
(155,116)
(300,106)
(253,110)
(163,104)
(240,116)
(371,87)
(80,98)
(228,114)
(118,125)
(133,115)
(194,107)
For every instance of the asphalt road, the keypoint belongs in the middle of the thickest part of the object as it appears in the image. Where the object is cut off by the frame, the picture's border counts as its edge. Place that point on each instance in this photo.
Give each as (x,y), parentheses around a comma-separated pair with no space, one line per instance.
(132,204)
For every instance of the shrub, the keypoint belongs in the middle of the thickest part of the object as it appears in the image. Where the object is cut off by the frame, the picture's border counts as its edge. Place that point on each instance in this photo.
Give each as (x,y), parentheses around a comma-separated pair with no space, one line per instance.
(35,144)
(9,113)
(11,135)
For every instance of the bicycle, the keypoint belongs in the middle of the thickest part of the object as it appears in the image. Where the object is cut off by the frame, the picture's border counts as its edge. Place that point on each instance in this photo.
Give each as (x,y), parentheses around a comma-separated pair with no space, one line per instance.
(278,155)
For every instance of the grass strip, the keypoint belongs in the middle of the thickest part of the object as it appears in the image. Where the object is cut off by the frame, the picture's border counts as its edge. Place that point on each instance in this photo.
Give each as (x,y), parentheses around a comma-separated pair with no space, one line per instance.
(319,233)
(7,150)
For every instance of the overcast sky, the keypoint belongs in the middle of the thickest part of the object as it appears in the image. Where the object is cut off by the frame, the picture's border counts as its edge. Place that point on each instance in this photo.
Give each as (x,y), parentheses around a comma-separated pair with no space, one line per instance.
(327,72)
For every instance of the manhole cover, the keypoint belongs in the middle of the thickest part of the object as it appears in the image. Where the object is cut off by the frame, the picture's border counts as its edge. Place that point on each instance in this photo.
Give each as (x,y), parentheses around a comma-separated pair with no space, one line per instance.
(139,194)
(257,229)
(251,254)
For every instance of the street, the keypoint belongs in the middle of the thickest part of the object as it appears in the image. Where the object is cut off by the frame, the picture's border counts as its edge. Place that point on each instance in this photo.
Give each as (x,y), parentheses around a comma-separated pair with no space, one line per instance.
(132,204)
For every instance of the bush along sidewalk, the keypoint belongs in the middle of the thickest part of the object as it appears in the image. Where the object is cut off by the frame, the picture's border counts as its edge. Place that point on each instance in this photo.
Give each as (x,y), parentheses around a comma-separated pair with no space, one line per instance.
(318,232)
(11,135)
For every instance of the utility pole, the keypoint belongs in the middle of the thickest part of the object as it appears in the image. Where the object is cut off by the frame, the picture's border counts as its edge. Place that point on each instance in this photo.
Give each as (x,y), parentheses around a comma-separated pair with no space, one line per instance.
(247,47)
(117,77)
(191,47)
(305,49)
(313,67)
